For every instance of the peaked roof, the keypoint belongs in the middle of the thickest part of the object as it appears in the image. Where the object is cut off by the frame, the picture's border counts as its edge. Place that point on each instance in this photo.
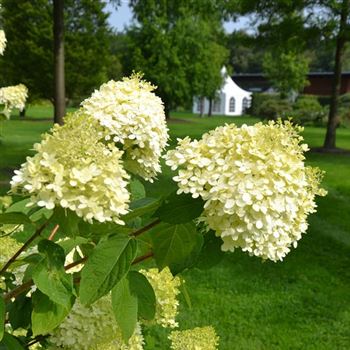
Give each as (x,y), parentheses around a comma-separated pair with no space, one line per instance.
(229,85)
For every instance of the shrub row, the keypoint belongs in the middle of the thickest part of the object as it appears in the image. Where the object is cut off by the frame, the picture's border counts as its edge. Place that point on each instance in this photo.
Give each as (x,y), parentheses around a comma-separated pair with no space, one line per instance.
(306,110)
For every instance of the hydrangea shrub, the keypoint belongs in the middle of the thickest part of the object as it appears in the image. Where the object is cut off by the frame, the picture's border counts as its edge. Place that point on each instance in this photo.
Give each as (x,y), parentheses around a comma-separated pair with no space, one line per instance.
(88,260)
(11,96)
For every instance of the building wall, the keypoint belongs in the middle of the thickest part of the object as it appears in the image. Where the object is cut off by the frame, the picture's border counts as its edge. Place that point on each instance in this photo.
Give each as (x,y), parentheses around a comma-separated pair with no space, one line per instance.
(320,83)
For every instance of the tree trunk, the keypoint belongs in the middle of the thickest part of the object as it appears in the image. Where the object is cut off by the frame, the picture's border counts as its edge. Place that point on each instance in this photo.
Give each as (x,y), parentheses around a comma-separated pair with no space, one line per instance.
(59,81)
(166,111)
(210,107)
(22,113)
(201,110)
(333,120)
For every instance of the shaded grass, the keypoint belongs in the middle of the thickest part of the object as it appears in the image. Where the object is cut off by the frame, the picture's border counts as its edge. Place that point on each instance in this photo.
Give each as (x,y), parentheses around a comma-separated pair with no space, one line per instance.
(302,303)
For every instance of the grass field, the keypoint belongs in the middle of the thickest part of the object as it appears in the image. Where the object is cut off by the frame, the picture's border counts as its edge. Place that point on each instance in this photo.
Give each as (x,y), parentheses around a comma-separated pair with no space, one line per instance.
(302,303)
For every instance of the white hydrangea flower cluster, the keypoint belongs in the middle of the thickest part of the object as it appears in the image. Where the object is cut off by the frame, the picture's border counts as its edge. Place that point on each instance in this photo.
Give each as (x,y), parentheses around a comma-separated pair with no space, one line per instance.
(257,189)
(199,338)
(13,97)
(166,289)
(93,328)
(132,116)
(2,42)
(74,170)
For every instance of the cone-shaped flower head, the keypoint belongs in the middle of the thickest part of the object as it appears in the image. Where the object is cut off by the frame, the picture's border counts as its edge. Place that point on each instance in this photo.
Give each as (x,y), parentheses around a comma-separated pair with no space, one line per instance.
(133,117)
(166,289)
(13,97)
(74,170)
(257,189)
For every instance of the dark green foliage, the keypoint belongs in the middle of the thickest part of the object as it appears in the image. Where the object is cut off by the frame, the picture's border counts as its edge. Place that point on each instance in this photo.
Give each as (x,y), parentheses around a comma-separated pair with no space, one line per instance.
(272,109)
(246,52)
(28,58)
(178,45)
(176,246)
(69,221)
(211,253)
(137,190)
(49,274)
(142,206)
(109,262)
(14,218)
(140,286)
(132,297)
(20,312)
(9,342)
(124,304)
(47,315)
(286,69)
(179,209)
(307,110)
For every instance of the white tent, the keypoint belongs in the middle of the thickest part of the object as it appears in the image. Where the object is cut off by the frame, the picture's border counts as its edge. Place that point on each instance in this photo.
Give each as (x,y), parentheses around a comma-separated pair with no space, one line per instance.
(231,100)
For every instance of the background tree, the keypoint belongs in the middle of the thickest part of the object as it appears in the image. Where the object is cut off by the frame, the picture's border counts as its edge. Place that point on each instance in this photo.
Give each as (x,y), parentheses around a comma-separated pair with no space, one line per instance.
(58,54)
(171,44)
(287,71)
(246,52)
(87,46)
(328,19)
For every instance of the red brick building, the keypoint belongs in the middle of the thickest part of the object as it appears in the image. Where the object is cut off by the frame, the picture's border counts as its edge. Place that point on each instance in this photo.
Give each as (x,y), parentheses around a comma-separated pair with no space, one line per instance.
(320,83)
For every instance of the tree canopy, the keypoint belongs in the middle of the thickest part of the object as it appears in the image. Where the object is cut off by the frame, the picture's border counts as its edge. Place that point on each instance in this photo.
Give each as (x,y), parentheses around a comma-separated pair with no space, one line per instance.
(179,47)
(29,58)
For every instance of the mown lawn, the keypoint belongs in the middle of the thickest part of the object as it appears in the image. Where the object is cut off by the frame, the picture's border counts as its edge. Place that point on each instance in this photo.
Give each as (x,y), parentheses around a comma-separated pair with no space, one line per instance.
(301,303)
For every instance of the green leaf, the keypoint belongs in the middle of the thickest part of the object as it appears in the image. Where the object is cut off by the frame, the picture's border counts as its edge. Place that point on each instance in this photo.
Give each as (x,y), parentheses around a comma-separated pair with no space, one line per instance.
(124,304)
(98,229)
(137,189)
(47,315)
(2,316)
(176,246)
(68,221)
(20,206)
(107,265)
(49,274)
(179,209)
(140,286)
(41,213)
(9,342)
(211,253)
(20,311)
(70,243)
(142,206)
(15,218)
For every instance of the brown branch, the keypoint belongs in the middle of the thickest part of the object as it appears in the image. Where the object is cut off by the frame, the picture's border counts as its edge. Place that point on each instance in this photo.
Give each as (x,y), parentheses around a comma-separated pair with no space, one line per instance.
(19,290)
(75,263)
(37,339)
(146,228)
(142,258)
(23,248)
(53,232)
(25,286)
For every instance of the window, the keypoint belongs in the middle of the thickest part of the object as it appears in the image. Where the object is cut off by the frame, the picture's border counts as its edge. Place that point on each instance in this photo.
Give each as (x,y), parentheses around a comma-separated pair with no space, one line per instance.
(245,104)
(217,105)
(232,106)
